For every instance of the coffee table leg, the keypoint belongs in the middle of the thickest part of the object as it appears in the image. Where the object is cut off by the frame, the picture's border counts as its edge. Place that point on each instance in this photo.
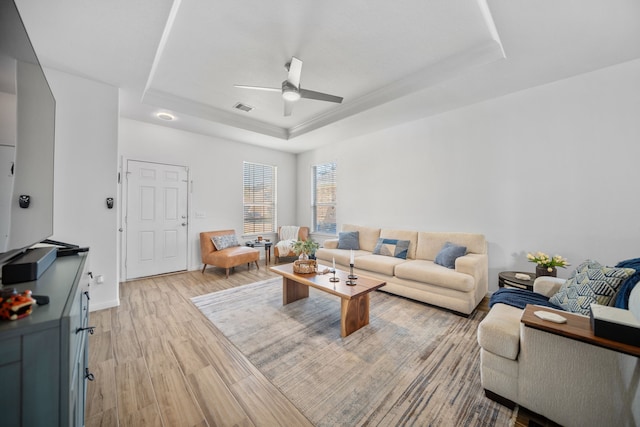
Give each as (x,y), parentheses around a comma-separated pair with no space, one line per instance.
(354,314)
(293,291)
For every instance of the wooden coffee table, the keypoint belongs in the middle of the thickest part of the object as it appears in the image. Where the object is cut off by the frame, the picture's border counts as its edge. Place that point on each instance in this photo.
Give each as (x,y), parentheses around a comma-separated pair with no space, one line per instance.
(355,299)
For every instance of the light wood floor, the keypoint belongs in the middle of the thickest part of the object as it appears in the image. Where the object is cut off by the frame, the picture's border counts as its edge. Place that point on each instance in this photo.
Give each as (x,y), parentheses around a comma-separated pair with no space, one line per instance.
(158,361)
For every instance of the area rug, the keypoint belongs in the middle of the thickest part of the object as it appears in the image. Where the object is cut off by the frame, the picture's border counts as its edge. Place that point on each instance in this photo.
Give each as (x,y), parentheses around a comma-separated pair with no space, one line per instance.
(412,365)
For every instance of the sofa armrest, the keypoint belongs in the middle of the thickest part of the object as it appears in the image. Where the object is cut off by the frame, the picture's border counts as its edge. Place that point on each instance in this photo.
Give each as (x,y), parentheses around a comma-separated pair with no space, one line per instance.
(547,285)
(330,244)
(471,264)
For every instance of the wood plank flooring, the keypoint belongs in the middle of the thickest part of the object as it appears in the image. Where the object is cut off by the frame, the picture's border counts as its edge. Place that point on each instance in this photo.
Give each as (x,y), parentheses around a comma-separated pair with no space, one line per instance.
(159,362)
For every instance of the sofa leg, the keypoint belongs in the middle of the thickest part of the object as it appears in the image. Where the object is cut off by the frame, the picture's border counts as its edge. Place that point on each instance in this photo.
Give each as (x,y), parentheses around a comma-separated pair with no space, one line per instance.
(227,273)
(203,267)
(499,399)
(257,266)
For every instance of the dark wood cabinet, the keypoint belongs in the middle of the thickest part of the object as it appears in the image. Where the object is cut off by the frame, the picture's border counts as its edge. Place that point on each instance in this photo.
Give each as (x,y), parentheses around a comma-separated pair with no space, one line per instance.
(43,357)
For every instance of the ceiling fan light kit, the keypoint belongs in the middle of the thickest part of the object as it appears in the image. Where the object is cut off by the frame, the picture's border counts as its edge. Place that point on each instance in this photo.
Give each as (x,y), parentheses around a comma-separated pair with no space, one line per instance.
(291,90)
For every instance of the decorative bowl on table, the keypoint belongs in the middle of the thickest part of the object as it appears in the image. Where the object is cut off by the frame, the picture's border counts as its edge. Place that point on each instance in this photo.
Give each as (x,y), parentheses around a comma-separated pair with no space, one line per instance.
(306,266)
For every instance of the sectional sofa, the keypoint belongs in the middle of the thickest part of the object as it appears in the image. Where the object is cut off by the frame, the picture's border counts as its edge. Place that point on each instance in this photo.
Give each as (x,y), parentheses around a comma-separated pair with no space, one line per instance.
(418,277)
(568,381)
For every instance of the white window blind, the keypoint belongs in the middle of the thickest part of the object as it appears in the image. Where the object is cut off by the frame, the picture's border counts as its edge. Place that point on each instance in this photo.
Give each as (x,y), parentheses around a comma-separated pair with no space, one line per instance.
(324,198)
(259,198)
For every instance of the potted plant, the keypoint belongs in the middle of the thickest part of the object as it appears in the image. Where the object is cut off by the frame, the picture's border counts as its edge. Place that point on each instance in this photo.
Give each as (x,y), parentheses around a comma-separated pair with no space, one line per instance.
(546,265)
(305,248)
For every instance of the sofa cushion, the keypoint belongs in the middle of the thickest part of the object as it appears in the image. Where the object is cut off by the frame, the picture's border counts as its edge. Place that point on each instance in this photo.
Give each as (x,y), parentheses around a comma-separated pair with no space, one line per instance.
(590,283)
(349,240)
(378,263)
(430,243)
(429,272)
(368,235)
(449,253)
(392,247)
(224,241)
(499,332)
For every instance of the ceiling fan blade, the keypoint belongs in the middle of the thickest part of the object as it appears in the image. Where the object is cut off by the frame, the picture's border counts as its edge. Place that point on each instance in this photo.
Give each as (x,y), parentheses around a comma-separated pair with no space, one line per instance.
(310,94)
(295,70)
(288,107)
(270,89)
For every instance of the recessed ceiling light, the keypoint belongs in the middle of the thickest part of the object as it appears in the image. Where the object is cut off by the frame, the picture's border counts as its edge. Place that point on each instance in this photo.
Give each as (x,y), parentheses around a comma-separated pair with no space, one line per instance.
(165,116)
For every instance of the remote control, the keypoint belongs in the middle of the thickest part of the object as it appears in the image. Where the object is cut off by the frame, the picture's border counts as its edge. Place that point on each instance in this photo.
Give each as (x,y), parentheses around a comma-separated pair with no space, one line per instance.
(41,299)
(552,317)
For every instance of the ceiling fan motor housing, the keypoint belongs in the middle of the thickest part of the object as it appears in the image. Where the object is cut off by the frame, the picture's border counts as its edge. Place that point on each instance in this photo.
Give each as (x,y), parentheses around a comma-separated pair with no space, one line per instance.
(289,91)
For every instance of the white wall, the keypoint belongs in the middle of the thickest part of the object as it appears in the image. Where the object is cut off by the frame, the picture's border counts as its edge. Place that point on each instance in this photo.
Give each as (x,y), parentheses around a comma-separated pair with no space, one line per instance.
(549,169)
(216,173)
(85,175)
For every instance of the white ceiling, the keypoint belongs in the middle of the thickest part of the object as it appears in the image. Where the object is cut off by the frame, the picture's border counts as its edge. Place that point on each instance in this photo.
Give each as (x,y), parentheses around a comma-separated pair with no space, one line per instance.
(391,61)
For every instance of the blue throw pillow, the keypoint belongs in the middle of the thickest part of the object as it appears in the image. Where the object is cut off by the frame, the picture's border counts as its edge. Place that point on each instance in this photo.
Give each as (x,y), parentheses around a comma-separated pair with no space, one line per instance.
(449,253)
(392,247)
(349,240)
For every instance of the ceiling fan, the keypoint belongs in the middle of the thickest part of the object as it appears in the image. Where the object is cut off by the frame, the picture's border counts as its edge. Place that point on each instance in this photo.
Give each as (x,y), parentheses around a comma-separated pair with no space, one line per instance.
(291,90)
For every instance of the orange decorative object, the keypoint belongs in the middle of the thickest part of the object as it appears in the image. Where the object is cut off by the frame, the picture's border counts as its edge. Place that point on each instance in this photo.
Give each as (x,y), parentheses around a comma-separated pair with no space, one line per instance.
(15,306)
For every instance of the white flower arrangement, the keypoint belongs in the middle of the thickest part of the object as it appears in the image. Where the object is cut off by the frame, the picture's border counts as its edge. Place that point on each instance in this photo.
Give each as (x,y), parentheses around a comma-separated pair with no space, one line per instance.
(544,260)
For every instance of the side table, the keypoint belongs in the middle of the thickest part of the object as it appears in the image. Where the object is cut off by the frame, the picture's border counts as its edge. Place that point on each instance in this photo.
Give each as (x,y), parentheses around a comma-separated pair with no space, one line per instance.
(508,279)
(577,328)
(267,249)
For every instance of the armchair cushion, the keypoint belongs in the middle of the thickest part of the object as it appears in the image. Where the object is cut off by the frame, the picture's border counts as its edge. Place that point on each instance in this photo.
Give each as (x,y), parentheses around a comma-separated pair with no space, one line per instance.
(590,283)
(225,241)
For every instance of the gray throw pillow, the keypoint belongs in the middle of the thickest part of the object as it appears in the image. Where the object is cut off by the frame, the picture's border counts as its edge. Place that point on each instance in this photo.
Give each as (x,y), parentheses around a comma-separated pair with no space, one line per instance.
(449,253)
(225,241)
(349,240)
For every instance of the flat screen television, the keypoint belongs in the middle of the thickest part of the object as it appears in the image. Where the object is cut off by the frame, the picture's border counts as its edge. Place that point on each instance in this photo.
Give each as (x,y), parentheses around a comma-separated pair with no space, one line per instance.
(27,139)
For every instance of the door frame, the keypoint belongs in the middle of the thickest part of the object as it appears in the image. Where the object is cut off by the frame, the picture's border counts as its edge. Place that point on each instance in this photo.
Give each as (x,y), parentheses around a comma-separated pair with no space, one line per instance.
(122,229)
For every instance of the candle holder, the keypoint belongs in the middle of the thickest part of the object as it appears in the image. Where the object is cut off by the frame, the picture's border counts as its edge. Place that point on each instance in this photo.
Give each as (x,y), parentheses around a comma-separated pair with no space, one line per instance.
(352,277)
(334,278)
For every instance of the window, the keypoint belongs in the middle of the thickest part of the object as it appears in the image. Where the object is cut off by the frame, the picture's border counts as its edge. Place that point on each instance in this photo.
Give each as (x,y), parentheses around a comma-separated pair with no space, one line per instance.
(324,198)
(259,198)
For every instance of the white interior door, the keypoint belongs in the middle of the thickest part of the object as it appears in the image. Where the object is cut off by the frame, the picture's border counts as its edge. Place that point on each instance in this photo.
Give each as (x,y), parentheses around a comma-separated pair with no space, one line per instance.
(156,219)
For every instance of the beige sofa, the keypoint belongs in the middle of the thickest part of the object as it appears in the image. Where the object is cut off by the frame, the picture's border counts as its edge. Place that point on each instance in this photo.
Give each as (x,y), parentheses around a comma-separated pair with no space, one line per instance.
(569,382)
(418,277)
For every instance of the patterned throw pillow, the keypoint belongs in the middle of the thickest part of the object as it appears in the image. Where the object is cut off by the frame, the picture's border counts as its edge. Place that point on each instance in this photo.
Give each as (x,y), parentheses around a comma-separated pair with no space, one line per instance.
(392,247)
(449,253)
(349,240)
(590,283)
(225,241)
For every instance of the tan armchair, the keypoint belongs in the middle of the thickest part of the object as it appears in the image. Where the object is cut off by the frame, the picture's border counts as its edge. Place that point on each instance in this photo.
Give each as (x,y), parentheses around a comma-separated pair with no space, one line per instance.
(226,258)
(303,234)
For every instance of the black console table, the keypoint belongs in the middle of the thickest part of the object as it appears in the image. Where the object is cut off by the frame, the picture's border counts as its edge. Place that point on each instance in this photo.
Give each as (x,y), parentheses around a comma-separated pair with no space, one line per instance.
(44,356)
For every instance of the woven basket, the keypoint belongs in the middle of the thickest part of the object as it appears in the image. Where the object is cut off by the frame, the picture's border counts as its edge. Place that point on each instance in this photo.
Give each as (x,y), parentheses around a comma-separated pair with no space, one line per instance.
(306,266)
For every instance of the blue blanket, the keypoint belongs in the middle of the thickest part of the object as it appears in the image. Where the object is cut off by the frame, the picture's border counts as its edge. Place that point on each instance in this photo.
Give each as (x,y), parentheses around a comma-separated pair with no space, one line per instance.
(519,298)
(622,300)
